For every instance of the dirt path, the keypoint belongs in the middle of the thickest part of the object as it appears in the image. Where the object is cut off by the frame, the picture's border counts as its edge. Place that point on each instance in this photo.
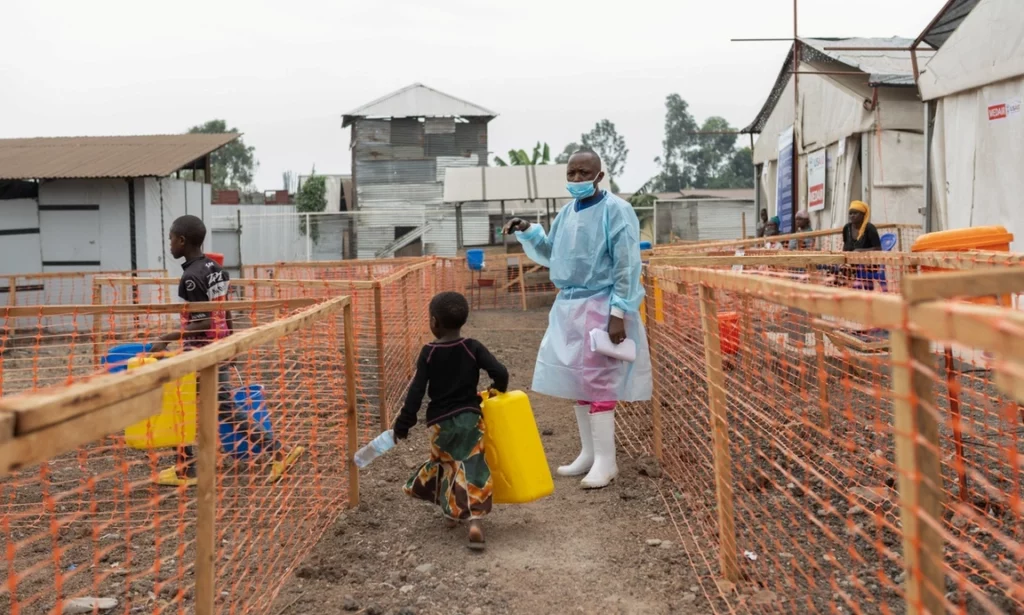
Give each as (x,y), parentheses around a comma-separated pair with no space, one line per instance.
(574,552)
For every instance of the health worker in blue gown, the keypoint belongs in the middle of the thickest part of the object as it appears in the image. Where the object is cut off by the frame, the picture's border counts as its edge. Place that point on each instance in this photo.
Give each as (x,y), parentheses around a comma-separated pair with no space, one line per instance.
(593,253)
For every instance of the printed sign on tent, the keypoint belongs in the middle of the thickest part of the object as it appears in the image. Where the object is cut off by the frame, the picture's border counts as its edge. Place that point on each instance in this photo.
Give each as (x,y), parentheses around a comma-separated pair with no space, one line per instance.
(784,182)
(1003,110)
(816,162)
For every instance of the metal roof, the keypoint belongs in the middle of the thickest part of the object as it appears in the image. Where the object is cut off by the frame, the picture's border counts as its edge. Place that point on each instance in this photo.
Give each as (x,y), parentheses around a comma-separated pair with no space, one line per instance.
(417,100)
(99,157)
(885,60)
(946,22)
(737,194)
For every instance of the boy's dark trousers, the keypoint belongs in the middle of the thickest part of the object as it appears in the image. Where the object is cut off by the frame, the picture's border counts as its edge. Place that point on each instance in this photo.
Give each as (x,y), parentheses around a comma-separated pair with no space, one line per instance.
(227,413)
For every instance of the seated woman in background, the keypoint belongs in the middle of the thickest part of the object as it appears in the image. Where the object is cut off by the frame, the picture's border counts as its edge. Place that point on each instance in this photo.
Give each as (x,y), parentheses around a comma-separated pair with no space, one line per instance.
(859,235)
(771,229)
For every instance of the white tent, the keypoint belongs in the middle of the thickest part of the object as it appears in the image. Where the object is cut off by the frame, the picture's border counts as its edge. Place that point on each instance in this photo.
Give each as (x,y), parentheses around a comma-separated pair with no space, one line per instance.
(861,115)
(974,85)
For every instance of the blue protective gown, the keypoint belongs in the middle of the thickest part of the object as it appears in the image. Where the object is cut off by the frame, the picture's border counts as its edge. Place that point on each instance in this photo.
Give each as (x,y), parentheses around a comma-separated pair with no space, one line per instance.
(593,254)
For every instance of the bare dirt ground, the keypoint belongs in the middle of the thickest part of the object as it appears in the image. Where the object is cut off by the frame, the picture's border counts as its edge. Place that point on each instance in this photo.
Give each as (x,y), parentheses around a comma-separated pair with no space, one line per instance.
(574,552)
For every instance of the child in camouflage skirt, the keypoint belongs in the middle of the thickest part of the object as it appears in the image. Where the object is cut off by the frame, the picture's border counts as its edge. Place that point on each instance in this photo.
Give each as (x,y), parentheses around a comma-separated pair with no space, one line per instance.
(456,476)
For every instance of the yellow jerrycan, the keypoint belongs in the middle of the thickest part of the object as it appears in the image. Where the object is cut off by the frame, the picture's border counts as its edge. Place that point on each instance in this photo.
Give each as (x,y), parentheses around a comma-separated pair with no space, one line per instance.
(513,449)
(176,424)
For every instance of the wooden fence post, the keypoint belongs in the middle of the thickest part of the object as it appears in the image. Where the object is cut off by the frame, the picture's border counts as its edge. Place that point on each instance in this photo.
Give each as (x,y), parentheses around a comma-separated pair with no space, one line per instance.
(378,317)
(351,415)
(719,433)
(747,346)
(206,491)
(916,434)
(522,282)
(97,323)
(656,429)
(409,363)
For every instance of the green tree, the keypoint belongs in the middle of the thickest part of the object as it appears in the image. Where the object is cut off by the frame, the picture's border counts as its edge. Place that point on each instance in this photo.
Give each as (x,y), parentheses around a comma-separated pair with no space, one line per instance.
(610,146)
(519,157)
(567,153)
(233,166)
(704,157)
(676,174)
(738,173)
(713,151)
(312,198)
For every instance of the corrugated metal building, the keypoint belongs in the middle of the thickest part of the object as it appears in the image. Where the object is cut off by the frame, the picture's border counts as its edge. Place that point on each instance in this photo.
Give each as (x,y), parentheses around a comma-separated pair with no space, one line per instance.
(402,145)
(98,203)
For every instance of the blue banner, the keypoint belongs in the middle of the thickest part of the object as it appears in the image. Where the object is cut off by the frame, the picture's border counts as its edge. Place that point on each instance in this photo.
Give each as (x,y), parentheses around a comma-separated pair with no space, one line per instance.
(784,182)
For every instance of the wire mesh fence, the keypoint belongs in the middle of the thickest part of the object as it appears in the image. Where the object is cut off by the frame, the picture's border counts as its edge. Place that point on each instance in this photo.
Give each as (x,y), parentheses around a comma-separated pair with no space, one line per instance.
(83,512)
(389,300)
(66,288)
(842,448)
(836,434)
(826,240)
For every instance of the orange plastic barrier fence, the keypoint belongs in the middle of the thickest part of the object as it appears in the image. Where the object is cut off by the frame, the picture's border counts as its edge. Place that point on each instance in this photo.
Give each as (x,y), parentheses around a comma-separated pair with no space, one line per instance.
(81,513)
(66,288)
(826,240)
(856,451)
(389,314)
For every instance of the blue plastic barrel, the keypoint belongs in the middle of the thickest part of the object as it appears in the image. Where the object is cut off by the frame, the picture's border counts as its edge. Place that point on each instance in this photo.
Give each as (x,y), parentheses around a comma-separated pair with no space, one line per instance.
(233,440)
(645,245)
(117,357)
(475,259)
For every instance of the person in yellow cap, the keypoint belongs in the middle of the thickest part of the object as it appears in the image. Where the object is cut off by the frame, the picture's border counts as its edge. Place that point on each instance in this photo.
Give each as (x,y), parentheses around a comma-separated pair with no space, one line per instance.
(859,235)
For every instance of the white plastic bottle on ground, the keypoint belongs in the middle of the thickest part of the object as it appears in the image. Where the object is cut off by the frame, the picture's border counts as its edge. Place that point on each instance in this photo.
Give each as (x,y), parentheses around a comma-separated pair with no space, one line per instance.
(377,447)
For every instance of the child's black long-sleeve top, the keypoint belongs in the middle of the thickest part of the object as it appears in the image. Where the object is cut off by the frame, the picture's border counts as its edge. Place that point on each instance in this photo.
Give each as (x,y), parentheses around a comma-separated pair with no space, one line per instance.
(449,373)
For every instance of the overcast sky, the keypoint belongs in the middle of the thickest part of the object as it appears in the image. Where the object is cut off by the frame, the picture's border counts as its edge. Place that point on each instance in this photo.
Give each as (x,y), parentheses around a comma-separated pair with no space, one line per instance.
(284,72)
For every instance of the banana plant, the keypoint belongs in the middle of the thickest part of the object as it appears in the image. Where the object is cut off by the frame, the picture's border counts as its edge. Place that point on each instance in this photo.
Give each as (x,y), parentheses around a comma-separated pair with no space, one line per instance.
(519,157)
(643,197)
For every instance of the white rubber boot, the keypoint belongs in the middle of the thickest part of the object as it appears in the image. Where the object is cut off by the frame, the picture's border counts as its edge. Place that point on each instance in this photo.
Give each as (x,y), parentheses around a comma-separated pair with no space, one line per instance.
(604,470)
(586,459)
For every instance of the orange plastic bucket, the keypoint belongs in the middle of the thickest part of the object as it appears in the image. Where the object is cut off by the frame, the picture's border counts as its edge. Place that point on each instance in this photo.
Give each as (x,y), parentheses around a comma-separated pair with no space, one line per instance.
(216,257)
(992,238)
(729,330)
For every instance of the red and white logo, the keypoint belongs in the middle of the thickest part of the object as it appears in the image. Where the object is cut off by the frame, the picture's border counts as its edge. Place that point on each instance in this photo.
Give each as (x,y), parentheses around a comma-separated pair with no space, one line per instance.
(996,112)
(817,195)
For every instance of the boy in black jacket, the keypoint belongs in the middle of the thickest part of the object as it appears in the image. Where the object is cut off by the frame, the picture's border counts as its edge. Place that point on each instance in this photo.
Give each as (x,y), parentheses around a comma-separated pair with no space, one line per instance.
(456,477)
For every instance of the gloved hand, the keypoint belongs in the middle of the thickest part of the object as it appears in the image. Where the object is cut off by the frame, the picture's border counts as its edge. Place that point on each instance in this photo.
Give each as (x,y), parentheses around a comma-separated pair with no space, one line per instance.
(400,434)
(516,224)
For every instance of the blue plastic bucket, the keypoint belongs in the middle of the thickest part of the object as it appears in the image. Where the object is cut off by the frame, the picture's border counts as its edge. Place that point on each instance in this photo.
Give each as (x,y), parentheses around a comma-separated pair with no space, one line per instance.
(232,439)
(888,241)
(645,245)
(475,259)
(117,357)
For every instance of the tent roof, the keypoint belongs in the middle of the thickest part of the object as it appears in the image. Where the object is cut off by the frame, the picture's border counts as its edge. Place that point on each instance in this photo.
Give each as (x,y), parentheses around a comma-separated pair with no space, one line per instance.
(987,46)
(417,100)
(887,64)
(946,22)
(104,157)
